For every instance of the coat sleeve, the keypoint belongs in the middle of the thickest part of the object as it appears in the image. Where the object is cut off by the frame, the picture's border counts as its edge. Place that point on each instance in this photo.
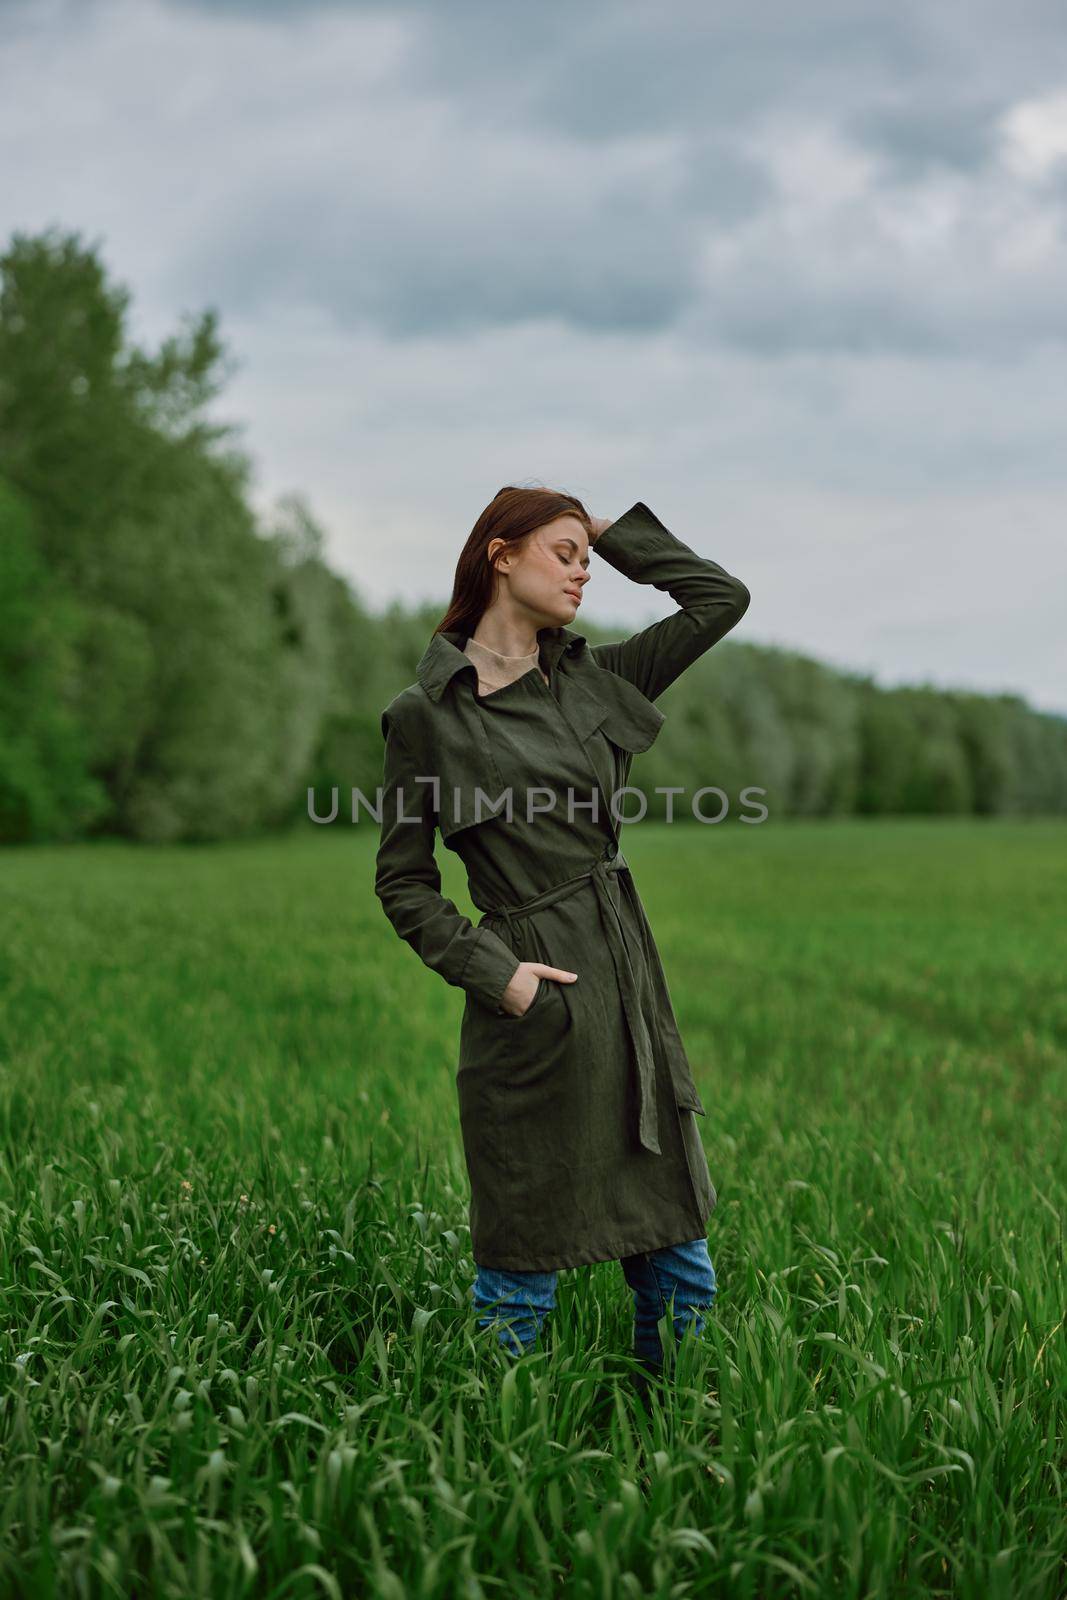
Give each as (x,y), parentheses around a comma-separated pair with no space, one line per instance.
(408,884)
(711,601)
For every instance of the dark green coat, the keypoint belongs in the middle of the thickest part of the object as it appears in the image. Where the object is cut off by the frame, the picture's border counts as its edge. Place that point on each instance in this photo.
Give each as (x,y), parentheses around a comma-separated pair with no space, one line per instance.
(577,1117)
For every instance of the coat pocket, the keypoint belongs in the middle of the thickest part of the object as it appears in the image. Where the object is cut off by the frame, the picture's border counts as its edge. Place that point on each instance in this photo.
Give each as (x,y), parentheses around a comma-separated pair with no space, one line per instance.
(542,983)
(550,999)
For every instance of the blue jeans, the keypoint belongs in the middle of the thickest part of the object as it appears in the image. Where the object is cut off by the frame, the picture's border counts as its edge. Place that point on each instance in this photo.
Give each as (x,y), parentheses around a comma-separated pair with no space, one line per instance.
(678,1274)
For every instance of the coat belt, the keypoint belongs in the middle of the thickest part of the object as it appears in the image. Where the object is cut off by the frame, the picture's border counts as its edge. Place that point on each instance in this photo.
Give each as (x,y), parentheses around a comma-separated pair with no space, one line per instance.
(598,874)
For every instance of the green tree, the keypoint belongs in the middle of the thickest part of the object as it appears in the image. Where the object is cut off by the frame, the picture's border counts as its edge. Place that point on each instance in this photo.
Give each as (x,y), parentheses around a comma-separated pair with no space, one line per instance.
(46,790)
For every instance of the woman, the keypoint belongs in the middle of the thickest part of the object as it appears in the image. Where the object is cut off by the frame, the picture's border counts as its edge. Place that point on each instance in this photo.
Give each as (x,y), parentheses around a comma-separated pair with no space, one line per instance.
(577,1104)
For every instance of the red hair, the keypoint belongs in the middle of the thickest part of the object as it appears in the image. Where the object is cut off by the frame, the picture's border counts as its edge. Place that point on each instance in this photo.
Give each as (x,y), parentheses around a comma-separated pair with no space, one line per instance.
(512,515)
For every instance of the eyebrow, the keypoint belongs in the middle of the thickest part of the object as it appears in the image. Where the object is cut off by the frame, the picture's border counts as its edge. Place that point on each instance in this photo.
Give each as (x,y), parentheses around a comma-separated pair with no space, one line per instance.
(565,538)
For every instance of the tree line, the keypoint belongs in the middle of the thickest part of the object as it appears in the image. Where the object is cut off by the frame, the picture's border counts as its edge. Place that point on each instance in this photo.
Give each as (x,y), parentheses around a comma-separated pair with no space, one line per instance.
(174,666)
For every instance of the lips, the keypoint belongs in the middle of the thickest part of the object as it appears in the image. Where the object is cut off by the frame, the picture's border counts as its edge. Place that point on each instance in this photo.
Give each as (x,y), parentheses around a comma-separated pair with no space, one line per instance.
(574,594)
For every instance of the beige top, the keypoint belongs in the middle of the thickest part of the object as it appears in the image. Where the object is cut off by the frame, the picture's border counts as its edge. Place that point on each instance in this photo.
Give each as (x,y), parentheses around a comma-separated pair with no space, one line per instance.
(495,670)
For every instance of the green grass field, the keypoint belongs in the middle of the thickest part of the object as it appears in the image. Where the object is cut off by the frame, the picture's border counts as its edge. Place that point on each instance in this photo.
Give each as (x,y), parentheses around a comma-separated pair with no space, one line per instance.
(237,1351)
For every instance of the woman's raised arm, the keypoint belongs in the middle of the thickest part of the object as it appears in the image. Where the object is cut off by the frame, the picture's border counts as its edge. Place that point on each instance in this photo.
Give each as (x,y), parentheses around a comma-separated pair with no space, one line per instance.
(712,601)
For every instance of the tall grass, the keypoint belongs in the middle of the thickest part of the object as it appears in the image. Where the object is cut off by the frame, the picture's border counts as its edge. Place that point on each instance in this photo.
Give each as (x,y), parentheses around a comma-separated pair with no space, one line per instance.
(237,1346)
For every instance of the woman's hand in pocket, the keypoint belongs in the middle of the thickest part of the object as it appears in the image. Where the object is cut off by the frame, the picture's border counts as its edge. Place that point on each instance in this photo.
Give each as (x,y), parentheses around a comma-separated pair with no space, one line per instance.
(518,997)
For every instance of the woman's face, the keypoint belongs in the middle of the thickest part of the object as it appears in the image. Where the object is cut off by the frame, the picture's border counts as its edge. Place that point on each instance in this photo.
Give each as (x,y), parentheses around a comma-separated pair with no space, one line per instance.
(546,576)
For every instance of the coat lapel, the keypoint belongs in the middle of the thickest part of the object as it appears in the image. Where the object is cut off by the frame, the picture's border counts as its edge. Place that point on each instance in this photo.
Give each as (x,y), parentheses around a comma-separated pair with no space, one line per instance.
(590,696)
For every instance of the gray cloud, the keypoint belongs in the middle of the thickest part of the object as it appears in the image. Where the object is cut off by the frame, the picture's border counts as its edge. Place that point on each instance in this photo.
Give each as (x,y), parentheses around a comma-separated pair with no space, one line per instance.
(912,141)
(783,178)
(757,264)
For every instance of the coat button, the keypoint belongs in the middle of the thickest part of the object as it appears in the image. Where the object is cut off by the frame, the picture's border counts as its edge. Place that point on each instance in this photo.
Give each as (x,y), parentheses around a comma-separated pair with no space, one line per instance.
(611,849)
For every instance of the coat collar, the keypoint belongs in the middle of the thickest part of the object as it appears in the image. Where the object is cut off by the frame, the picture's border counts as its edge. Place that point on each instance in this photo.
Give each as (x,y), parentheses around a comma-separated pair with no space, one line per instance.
(589,695)
(444,655)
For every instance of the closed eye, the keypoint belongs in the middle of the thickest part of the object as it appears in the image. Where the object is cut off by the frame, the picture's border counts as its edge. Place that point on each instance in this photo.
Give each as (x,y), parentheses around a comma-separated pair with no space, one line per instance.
(567,559)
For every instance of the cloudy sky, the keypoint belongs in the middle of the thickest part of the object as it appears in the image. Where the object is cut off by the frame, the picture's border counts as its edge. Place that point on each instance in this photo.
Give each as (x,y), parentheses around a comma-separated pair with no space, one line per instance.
(796,276)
